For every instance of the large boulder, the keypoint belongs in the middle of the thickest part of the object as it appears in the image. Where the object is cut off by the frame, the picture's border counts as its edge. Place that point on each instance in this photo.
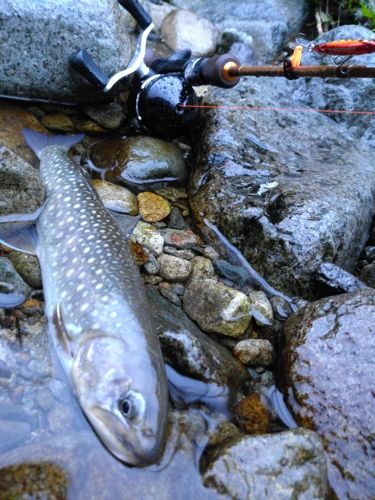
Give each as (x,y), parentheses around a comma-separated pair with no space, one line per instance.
(39,36)
(290,189)
(329,376)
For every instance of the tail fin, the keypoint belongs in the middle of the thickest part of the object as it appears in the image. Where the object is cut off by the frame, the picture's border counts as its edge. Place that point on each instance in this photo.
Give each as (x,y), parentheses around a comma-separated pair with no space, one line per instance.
(37,141)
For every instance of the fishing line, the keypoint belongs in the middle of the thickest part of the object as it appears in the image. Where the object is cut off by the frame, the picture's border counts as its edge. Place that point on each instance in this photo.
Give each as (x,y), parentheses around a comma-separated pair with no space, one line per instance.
(268,108)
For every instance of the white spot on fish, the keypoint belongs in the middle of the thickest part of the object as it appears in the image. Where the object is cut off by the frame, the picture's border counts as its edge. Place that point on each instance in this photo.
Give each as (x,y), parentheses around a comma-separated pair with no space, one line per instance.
(84,307)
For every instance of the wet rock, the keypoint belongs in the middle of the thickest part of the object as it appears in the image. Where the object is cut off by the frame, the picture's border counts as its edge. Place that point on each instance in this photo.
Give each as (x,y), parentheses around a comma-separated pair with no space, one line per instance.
(281,308)
(270,23)
(21,190)
(43,480)
(13,119)
(108,115)
(201,268)
(158,12)
(152,280)
(146,235)
(182,254)
(172,292)
(176,220)
(252,415)
(11,283)
(189,350)
(254,352)
(58,122)
(368,275)
(182,29)
(236,274)
(337,93)
(217,308)
(172,194)
(153,208)
(329,379)
(61,31)
(314,214)
(28,268)
(139,253)
(285,465)
(139,159)
(261,308)
(335,280)
(180,238)
(152,265)
(117,198)
(173,268)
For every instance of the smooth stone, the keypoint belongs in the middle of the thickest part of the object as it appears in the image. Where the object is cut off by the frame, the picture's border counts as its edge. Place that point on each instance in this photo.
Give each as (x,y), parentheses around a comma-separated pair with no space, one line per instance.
(28,267)
(117,198)
(281,308)
(368,275)
(173,268)
(21,189)
(252,415)
(151,280)
(152,265)
(176,219)
(58,122)
(180,238)
(201,268)
(108,115)
(314,215)
(261,308)
(169,292)
(217,308)
(329,376)
(11,282)
(182,254)
(237,274)
(61,30)
(286,465)
(147,236)
(172,193)
(254,352)
(336,280)
(182,29)
(152,207)
(189,350)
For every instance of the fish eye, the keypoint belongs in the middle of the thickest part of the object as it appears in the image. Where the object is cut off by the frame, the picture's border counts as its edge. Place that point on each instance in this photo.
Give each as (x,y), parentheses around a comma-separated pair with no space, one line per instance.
(127,408)
(132,405)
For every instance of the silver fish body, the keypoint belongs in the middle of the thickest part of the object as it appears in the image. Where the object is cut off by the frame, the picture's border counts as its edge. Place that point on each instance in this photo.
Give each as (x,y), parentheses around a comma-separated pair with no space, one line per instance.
(99,315)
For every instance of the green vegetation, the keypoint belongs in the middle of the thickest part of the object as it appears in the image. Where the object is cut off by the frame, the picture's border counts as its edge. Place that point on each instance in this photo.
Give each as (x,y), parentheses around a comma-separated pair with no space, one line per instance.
(331,13)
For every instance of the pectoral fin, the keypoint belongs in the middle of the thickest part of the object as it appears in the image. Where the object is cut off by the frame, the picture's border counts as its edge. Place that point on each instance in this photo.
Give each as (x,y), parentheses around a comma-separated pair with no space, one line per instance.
(18,231)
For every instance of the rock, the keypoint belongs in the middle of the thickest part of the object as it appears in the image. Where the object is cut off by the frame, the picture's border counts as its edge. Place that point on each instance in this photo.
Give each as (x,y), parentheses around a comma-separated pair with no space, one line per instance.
(21,189)
(146,235)
(329,378)
(151,280)
(137,160)
(334,280)
(201,268)
(33,480)
(281,308)
(173,268)
(153,208)
(310,217)
(285,465)
(139,253)
(152,266)
(261,308)
(58,122)
(335,93)
(170,292)
(182,29)
(62,31)
(180,238)
(28,267)
(109,115)
(254,352)
(176,220)
(217,308)
(182,254)
(11,282)
(270,23)
(13,119)
(117,198)
(158,12)
(189,350)
(237,274)
(172,194)
(89,127)
(370,253)
(368,275)
(252,415)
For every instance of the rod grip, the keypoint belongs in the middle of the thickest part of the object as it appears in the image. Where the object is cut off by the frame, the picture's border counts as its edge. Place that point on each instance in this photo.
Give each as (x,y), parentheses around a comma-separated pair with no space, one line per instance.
(138,12)
(83,63)
(213,71)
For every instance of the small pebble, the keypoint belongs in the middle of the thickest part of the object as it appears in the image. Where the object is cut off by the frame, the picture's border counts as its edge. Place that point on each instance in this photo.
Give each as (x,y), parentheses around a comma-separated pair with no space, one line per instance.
(254,352)
(153,208)
(152,266)
(183,254)
(280,307)
(151,280)
(180,238)
(115,197)
(261,308)
(173,268)
(149,237)
(109,115)
(252,415)
(139,253)
(176,220)
(59,122)
(201,268)
(168,291)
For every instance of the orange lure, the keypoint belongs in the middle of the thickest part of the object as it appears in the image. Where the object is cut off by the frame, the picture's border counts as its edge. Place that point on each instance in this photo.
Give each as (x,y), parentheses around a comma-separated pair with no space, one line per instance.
(345,47)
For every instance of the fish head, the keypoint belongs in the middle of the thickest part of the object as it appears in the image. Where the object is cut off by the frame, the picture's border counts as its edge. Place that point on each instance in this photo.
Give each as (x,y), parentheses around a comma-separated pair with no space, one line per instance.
(126,403)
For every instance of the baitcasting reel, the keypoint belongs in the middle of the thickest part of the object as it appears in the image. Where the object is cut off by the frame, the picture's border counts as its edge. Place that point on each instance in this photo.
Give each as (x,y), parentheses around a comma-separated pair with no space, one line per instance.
(163,88)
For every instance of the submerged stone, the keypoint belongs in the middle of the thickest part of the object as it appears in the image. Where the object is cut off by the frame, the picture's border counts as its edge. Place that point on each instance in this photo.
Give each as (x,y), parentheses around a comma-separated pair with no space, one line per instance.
(28,267)
(117,198)
(152,207)
(12,286)
(329,380)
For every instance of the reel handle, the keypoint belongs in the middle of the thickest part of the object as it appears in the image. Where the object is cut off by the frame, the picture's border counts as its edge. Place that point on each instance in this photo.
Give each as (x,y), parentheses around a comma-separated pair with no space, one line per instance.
(83,63)
(138,12)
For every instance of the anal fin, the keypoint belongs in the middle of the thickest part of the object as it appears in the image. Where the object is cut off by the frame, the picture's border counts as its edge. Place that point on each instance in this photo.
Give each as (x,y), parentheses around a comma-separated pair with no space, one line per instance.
(22,238)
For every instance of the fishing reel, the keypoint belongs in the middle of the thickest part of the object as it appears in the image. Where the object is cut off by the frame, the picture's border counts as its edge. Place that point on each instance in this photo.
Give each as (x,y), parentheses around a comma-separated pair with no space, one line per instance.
(162,98)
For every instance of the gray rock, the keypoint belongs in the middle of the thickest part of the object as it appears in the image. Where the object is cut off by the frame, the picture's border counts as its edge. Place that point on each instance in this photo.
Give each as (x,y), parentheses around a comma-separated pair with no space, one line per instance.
(254,352)
(28,267)
(335,280)
(183,254)
(271,23)
(285,465)
(329,379)
(313,214)
(182,29)
(61,28)
(339,93)
(21,189)
(201,268)
(176,220)
(109,115)
(173,268)
(152,266)
(12,286)
(169,291)
(217,308)
(368,275)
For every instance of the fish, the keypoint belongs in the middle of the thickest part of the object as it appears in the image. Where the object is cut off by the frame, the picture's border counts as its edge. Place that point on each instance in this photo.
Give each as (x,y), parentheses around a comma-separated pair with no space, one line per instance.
(96,306)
